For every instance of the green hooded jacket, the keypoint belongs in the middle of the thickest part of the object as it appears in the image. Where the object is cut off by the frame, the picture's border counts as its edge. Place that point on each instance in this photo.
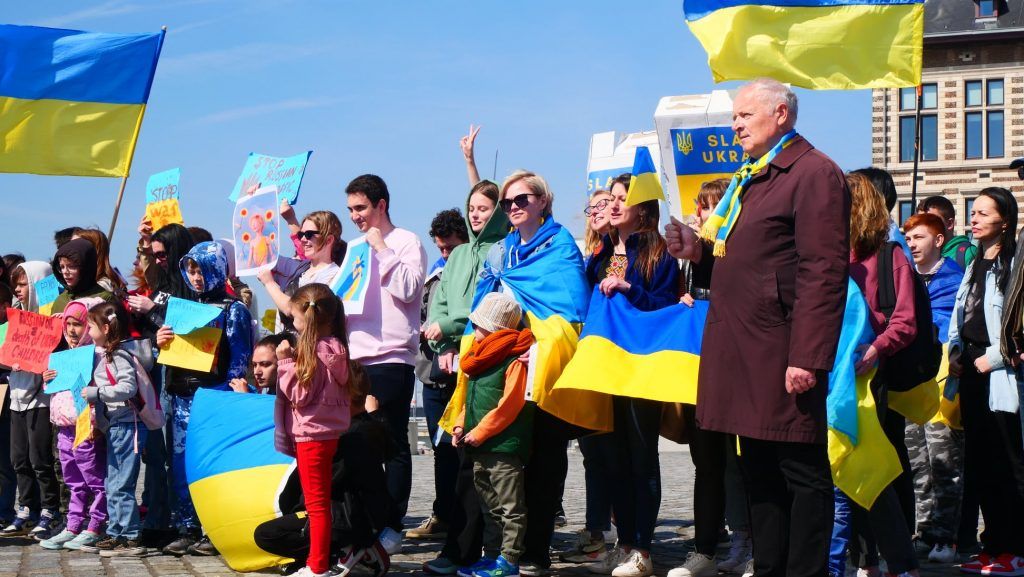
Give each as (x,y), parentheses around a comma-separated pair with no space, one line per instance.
(450,305)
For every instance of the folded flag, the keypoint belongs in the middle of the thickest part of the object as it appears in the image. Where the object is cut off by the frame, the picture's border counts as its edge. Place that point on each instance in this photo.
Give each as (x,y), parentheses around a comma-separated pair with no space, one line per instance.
(71,102)
(646,354)
(862,459)
(819,44)
(644,184)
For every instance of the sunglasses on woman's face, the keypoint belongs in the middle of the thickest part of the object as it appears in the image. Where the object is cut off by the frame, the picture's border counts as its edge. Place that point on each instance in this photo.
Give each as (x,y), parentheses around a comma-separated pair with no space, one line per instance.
(600,206)
(308,234)
(520,200)
(160,256)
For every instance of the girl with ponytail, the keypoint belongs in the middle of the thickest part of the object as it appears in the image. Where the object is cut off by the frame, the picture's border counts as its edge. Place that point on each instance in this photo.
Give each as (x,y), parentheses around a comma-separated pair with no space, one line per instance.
(313,407)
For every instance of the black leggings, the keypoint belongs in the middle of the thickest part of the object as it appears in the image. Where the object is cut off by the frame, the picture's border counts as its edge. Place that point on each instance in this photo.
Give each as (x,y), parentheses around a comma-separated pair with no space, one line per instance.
(32,457)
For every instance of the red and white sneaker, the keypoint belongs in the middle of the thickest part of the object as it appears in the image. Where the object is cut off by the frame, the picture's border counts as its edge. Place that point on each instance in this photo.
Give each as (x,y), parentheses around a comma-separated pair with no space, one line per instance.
(976,564)
(1005,564)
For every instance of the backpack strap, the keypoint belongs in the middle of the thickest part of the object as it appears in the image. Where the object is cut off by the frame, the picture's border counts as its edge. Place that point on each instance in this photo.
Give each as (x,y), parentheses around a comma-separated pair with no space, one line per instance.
(886,283)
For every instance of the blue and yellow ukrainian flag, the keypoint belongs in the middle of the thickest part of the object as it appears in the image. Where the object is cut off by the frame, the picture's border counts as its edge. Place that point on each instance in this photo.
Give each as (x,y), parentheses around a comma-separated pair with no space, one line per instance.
(650,355)
(235,474)
(644,184)
(71,102)
(820,44)
(863,461)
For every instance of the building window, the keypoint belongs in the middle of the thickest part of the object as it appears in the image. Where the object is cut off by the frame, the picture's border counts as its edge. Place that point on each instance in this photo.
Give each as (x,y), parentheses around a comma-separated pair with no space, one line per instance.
(973,93)
(987,8)
(906,211)
(908,99)
(929,96)
(995,92)
(929,137)
(968,207)
(995,137)
(984,130)
(973,135)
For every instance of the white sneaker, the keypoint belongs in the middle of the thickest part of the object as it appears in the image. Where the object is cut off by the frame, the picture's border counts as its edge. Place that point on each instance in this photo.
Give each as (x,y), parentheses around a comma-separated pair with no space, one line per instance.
(696,565)
(605,566)
(391,540)
(945,554)
(739,553)
(634,565)
(748,571)
(307,572)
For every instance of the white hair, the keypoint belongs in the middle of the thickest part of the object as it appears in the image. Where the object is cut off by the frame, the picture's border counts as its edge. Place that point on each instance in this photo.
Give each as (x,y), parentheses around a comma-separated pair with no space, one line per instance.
(776,93)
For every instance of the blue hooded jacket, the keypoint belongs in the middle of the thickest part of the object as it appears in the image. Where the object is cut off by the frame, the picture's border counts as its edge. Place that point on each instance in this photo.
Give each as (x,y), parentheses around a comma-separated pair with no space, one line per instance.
(942,292)
(236,321)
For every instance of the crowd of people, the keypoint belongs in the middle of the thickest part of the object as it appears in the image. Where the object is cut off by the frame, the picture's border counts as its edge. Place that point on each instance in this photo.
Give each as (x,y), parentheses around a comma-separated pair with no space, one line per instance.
(776,280)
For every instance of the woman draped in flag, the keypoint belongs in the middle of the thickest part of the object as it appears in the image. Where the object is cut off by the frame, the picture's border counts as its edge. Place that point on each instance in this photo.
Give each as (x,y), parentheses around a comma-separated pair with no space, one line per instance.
(632,261)
(541,266)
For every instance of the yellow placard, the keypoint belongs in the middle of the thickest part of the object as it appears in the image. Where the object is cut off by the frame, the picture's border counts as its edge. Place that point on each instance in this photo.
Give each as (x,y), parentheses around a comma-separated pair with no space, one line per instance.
(164,212)
(196,350)
(269,320)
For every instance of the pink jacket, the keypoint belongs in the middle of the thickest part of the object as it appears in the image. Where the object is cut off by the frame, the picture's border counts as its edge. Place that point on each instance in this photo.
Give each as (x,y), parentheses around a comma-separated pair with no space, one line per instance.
(319,411)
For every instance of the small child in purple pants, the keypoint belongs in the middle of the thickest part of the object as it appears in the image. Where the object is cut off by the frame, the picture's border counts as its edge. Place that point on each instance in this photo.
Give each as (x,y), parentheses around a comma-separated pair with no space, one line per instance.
(84,466)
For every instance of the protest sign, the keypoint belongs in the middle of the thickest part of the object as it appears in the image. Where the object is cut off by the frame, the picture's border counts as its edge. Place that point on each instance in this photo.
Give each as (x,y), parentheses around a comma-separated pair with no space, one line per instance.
(71,365)
(256,232)
(195,351)
(76,394)
(261,171)
(269,320)
(3,333)
(30,339)
(47,290)
(162,199)
(184,316)
(353,279)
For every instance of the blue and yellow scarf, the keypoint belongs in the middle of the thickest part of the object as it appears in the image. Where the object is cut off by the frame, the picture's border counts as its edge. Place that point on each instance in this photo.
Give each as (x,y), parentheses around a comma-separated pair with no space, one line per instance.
(719,226)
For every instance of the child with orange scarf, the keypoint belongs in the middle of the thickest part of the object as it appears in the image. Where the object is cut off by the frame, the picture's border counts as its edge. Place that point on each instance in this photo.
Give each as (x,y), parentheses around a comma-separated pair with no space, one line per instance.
(495,427)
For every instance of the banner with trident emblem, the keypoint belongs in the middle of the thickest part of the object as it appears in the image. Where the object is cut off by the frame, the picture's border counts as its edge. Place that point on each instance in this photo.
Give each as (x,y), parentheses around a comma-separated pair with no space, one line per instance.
(703,154)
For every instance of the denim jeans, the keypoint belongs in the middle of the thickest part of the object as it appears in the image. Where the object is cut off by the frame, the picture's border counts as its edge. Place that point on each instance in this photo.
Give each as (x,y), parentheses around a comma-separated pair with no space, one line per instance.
(840,535)
(184,514)
(122,476)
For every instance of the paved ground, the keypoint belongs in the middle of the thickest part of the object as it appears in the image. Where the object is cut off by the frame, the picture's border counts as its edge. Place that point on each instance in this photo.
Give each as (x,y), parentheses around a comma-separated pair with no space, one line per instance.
(21,557)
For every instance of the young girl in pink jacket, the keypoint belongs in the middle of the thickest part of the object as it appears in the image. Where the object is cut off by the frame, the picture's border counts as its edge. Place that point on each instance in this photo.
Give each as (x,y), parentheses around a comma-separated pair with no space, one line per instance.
(312,408)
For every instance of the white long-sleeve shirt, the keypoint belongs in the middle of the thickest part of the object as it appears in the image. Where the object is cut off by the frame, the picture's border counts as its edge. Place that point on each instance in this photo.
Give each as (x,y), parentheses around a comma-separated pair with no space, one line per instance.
(388,329)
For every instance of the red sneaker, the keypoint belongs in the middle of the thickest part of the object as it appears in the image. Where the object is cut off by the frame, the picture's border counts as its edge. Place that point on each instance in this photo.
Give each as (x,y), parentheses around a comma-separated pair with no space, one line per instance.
(976,564)
(1005,564)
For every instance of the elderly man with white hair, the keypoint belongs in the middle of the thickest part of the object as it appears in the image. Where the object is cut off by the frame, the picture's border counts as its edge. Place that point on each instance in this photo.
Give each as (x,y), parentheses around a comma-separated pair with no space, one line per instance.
(778,292)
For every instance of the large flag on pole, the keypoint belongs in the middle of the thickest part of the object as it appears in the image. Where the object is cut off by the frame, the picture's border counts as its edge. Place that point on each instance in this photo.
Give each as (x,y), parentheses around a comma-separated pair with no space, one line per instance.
(71,102)
(820,44)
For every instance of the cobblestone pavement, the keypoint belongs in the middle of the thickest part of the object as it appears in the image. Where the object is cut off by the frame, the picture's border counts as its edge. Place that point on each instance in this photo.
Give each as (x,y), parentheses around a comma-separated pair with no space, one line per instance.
(22,557)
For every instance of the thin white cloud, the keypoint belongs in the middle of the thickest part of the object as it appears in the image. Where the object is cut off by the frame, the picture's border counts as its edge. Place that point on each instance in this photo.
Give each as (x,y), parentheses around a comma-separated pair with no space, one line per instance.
(106,9)
(243,57)
(265,109)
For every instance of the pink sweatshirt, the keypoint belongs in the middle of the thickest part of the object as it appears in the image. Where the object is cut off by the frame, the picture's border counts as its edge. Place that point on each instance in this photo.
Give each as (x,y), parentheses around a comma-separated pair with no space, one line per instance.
(319,411)
(388,330)
(902,327)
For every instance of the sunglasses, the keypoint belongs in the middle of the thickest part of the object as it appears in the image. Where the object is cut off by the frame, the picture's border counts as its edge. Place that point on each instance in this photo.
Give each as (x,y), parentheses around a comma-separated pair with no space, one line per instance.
(307,234)
(160,256)
(520,200)
(601,205)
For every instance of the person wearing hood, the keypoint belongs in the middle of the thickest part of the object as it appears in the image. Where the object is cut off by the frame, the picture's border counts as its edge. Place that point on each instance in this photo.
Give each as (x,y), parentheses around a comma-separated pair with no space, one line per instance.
(75,266)
(85,466)
(30,434)
(205,271)
(446,322)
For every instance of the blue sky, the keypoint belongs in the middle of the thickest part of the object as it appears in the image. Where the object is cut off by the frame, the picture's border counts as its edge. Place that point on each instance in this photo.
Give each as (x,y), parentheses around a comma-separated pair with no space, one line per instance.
(388,88)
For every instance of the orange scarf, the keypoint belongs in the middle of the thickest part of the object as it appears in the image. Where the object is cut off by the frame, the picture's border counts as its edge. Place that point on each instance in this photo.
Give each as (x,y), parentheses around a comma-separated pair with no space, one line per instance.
(495,348)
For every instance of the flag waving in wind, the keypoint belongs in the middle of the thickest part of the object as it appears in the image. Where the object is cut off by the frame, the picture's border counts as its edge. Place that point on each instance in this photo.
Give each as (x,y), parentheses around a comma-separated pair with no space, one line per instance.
(644,185)
(820,44)
(71,102)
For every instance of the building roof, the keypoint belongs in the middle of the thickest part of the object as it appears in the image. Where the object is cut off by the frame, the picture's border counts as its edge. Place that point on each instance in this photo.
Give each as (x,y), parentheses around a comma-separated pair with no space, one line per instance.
(954,20)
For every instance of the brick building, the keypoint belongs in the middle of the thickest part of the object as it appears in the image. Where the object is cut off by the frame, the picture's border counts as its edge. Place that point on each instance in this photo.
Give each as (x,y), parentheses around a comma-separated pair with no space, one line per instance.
(972,109)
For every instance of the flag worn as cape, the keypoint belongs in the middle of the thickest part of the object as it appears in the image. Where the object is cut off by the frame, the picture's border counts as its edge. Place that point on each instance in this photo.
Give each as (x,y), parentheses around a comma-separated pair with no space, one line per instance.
(546,278)
(650,355)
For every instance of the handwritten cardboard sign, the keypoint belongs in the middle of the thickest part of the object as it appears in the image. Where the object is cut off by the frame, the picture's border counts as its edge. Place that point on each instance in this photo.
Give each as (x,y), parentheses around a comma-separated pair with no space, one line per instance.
(353,280)
(196,350)
(256,232)
(72,366)
(30,339)
(3,333)
(261,171)
(185,316)
(47,290)
(162,198)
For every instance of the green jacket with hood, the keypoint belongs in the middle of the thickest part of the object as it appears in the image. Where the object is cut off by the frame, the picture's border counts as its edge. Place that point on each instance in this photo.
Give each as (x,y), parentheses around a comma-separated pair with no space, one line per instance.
(450,305)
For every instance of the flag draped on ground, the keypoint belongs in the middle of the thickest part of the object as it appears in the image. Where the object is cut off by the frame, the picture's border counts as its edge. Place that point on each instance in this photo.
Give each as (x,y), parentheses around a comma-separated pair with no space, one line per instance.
(651,355)
(820,44)
(71,102)
(549,285)
(234,473)
(862,459)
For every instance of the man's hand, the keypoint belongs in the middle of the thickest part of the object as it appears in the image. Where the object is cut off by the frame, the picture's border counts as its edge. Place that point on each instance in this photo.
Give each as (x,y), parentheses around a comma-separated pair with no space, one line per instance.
(682,241)
(375,239)
(867,361)
(799,380)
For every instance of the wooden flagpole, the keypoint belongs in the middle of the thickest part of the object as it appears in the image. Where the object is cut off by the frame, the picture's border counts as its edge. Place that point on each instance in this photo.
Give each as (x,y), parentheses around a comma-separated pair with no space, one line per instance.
(131,157)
